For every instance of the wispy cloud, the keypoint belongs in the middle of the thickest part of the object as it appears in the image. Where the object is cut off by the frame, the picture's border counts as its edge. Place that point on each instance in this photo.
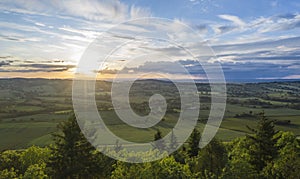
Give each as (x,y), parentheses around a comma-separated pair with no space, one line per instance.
(48,30)
(89,9)
(19,38)
(236,20)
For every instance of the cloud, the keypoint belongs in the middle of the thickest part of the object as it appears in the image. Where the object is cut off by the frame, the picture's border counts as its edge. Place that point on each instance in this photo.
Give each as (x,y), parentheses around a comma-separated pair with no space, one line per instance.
(19,38)
(28,66)
(18,26)
(112,10)
(239,44)
(259,58)
(291,77)
(260,27)
(252,70)
(5,57)
(201,28)
(89,34)
(160,66)
(47,66)
(4,63)
(93,10)
(40,24)
(258,45)
(107,71)
(63,28)
(232,68)
(223,29)
(282,22)
(138,12)
(236,20)
(286,16)
(163,67)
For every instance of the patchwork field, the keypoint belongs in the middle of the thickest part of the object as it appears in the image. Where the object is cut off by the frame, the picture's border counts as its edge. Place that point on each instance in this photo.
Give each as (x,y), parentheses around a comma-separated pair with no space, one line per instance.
(32,108)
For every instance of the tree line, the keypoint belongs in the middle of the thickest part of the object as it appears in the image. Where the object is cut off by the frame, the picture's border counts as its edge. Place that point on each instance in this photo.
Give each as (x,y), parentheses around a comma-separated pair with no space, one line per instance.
(265,153)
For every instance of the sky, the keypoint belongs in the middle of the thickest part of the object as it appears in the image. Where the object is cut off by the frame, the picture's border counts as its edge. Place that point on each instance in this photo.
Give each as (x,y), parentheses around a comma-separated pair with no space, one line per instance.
(257,39)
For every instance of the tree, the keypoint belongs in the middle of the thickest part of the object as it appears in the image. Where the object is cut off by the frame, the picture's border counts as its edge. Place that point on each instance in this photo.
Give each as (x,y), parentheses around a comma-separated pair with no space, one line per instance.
(211,160)
(72,155)
(11,173)
(29,161)
(287,164)
(238,165)
(263,149)
(194,143)
(158,142)
(164,168)
(34,156)
(10,159)
(36,171)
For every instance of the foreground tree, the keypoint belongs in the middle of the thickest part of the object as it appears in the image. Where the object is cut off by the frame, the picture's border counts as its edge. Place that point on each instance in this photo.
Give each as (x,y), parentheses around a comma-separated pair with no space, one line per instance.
(34,157)
(28,163)
(72,155)
(166,168)
(263,149)
(238,165)
(265,154)
(158,142)
(287,164)
(194,143)
(36,171)
(10,161)
(9,173)
(210,160)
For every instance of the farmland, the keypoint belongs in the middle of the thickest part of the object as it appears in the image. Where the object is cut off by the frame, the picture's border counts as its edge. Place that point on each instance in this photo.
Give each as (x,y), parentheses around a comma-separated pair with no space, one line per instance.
(32,108)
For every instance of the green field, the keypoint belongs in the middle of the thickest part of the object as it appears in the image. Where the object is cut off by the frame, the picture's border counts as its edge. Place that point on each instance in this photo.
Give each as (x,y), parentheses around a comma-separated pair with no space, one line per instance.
(32,108)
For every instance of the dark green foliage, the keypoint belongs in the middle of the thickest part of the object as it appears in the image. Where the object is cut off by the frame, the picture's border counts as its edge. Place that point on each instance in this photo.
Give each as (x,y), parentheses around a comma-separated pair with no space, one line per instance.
(238,164)
(264,154)
(72,155)
(287,163)
(10,159)
(263,149)
(158,142)
(210,160)
(7,174)
(166,168)
(194,143)
(28,163)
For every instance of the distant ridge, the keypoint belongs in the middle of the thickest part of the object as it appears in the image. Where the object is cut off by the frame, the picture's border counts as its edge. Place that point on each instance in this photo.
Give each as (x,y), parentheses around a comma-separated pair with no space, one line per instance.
(169,81)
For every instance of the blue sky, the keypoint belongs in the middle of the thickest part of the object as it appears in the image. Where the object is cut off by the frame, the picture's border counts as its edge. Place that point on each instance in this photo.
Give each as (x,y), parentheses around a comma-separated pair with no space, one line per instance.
(257,39)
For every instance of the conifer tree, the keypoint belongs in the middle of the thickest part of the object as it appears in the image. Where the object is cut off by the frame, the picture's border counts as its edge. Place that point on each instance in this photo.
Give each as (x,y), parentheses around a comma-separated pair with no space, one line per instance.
(194,143)
(72,155)
(263,149)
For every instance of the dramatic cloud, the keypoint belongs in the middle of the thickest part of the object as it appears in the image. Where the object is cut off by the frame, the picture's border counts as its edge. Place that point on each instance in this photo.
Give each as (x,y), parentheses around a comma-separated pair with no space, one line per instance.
(247,46)
(29,66)
(4,63)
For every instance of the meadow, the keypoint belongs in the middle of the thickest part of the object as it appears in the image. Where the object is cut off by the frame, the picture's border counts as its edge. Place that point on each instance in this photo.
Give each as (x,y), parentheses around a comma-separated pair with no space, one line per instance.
(32,108)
